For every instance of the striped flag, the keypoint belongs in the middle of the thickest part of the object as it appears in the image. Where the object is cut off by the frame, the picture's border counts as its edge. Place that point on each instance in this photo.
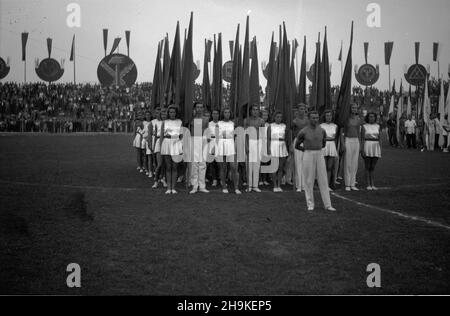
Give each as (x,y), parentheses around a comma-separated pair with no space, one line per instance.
(426,111)
(409,106)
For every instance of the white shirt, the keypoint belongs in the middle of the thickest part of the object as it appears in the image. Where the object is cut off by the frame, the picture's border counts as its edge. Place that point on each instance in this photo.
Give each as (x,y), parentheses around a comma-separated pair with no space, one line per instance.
(410,126)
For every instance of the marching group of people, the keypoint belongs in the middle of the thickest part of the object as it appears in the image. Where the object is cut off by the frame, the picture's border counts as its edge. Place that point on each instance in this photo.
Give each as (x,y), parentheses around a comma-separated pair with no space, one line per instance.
(213,149)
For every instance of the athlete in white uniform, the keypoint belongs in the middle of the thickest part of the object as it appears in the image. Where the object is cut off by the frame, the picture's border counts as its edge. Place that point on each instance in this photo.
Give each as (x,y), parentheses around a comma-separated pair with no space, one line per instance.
(156,123)
(137,143)
(330,151)
(147,147)
(171,146)
(226,152)
(370,147)
(253,148)
(277,148)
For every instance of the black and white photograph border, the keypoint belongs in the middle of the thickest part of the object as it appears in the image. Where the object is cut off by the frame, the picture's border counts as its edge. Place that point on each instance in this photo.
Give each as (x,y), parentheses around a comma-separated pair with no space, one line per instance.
(224,148)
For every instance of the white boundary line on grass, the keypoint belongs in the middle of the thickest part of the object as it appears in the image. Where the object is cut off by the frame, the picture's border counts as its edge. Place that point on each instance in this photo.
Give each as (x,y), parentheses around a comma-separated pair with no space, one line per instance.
(392,212)
(377,208)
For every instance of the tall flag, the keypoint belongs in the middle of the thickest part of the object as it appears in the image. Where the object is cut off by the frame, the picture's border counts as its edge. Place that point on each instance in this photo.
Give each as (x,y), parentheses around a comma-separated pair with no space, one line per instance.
(441,111)
(270,93)
(49,46)
(344,97)
(254,76)
(187,87)
(340,53)
(166,63)
(399,111)
(302,80)
(282,98)
(217,91)
(409,106)
(436,52)
(315,92)
(156,85)
(173,87)
(24,45)
(392,104)
(326,75)
(388,46)
(206,85)
(244,85)
(105,39)
(293,96)
(426,110)
(72,58)
(72,50)
(127,38)
(234,88)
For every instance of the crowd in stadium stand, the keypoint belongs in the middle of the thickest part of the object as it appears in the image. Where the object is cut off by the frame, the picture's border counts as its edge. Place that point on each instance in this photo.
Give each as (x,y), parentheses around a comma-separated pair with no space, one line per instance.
(66,108)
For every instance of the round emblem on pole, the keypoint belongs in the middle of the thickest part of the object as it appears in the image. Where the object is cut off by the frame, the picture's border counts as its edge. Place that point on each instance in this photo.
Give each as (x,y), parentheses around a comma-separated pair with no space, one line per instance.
(118,70)
(49,70)
(416,75)
(367,75)
(311,73)
(196,71)
(4,69)
(227,71)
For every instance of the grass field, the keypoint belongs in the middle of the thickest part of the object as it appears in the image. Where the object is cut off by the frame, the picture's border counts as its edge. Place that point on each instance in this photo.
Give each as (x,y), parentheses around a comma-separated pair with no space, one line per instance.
(79,199)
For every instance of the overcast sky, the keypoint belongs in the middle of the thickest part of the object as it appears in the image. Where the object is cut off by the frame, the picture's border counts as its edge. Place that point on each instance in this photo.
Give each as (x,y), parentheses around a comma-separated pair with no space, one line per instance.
(402,21)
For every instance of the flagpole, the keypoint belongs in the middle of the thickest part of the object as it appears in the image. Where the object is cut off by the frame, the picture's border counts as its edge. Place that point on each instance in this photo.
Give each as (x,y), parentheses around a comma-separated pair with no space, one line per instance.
(25,71)
(389,67)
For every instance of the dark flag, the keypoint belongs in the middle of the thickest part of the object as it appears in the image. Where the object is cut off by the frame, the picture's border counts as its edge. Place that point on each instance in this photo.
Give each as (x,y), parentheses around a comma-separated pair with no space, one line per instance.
(127,37)
(24,45)
(388,46)
(217,92)
(293,95)
(340,54)
(173,88)
(344,97)
(72,50)
(270,93)
(302,80)
(206,86)
(156,86)
(244,92)
(187,86)
(166,63)
(234,93)
(115,44)
(254,76)
(417,47)
(435,51)
(314,95)
(49,46)
(326,76)
(105,39)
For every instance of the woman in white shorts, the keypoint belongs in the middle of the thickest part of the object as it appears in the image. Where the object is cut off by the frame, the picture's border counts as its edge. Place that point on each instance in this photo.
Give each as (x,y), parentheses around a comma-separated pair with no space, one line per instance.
(277,148)
(370,147)
(330,152)
(171,146)
(226,151)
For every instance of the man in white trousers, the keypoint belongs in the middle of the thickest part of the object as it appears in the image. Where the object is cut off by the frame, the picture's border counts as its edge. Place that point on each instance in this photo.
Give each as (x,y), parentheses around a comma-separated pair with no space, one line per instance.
(313,138)
(198,161)
(300,122)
